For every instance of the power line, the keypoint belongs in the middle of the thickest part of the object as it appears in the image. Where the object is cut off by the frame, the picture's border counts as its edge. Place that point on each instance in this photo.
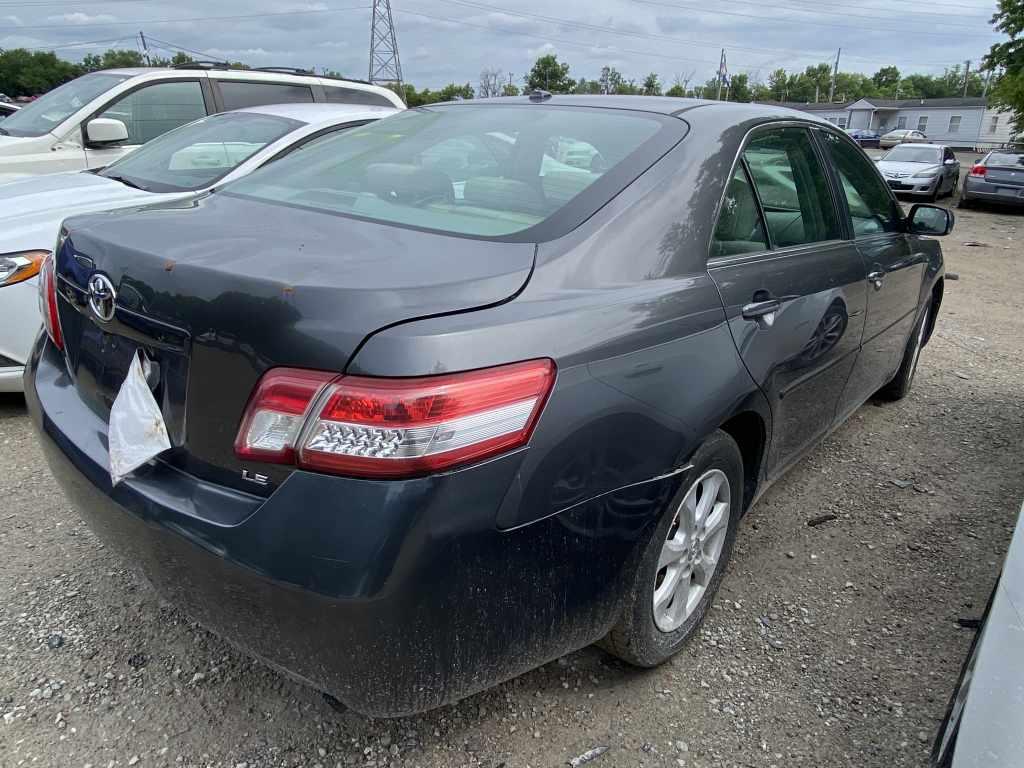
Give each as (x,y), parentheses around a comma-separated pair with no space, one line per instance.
(665,38)
(790,20)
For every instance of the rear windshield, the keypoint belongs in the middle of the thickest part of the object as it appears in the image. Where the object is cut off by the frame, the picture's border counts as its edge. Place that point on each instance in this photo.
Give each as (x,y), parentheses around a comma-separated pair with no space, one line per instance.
(483,170)
(198,154)
(907,154)
(47,112)
(1005,159)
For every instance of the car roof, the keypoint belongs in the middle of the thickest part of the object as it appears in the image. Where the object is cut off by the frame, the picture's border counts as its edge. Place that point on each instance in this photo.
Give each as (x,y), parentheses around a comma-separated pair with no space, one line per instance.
(665,105)
(321,112)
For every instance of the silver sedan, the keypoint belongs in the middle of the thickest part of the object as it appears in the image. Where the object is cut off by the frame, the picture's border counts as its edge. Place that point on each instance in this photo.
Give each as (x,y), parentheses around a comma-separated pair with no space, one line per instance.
(922,170)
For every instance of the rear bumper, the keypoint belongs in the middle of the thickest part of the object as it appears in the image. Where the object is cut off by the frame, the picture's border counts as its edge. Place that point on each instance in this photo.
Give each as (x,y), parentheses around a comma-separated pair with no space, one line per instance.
(977,189)
(395,597)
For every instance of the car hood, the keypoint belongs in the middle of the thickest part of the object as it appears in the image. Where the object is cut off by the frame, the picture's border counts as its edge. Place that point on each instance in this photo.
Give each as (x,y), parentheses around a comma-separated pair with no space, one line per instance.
(11,146)
(890,167)
(32,208)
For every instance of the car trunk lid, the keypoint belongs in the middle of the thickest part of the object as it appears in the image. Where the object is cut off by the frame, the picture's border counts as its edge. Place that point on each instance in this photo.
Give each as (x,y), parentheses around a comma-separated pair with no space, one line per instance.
(215,291)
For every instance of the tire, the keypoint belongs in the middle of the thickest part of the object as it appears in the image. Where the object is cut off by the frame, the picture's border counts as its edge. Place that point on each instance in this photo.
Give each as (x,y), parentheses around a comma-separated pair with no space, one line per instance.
(901,383)
(644,636)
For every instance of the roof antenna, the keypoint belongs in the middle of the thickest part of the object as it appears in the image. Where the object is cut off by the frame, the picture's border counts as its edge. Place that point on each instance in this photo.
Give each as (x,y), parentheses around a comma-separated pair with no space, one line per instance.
(538,95)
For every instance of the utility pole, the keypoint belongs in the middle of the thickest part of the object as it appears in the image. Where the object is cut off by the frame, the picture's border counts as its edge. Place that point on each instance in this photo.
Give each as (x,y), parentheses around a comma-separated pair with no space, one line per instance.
(145,48)
(817,91)
(967,76)
(835,74)
(385,66)
(721,75)
(988,81)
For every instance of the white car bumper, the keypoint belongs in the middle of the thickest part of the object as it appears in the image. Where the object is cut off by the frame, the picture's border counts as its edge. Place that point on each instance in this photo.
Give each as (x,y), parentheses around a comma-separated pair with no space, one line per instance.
(19,324)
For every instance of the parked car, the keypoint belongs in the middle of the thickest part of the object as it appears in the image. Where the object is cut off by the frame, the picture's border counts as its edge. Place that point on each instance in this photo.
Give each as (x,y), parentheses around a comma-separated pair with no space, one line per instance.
(7,109)
(922,170)
(180,164)
(864,137)
(95,119)
(431,427)
(998,177)
(983,722)
(901,136)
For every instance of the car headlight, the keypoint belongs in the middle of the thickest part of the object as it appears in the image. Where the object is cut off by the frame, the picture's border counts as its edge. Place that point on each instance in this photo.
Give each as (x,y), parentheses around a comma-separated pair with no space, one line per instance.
(927,174)
(18,267)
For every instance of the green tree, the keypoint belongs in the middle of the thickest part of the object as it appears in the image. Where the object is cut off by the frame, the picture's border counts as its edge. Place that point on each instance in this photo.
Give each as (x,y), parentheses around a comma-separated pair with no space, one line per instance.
(1008,56)
(549,74)
(27,73)
(739,88)
(510,89)
(676,90)
(652,85)
(112,59)
(453,92)
(778,85)
(886,79)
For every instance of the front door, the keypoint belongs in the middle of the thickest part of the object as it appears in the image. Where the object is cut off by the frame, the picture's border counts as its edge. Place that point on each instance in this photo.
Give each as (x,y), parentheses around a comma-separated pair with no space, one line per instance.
(792,284)
(895,270)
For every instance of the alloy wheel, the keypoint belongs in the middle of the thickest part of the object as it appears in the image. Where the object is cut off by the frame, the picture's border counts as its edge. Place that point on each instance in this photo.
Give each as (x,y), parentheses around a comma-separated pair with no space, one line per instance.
(692,550)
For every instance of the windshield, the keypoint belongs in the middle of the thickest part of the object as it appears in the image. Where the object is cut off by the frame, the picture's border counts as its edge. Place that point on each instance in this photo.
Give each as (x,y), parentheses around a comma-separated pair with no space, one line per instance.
(480,170)
(1005,159)
(907,154)
(47,112)
(198,154)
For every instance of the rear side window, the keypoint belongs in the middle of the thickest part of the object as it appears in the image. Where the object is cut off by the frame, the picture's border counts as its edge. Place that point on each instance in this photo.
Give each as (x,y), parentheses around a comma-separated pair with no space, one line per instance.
(793,188)
(1005,159)
(338,95)
(237,94)
(488,170)
(155,109)
(739,229)
(872,209)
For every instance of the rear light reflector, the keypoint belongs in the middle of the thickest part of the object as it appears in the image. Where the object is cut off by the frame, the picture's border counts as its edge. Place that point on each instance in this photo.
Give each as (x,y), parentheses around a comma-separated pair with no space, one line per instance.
(978,170)
(385,428)
(48,301)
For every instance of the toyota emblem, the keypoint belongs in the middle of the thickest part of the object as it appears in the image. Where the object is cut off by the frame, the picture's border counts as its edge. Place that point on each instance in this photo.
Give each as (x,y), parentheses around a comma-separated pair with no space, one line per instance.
(102,297)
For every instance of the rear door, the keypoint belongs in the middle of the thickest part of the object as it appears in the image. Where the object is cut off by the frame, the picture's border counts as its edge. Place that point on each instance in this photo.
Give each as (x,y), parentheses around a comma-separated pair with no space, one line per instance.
(895,271)
(792,284)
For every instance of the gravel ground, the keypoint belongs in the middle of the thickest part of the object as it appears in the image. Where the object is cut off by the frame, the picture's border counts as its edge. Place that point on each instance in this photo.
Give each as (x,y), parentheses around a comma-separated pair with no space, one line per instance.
(833,645)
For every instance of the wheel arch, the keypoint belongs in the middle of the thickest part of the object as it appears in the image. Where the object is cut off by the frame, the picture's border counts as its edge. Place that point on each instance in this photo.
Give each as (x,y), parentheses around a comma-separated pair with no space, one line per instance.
(750,428)
(936,301)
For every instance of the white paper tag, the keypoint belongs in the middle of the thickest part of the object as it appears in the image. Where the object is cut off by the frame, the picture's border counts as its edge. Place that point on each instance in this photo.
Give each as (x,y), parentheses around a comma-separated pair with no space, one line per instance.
(137,431)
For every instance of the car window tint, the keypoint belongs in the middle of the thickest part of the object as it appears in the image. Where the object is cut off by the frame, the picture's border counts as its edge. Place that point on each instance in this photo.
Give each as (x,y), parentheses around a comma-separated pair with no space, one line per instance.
(477,170)
(872,209)
(792,186)
(739,228)
(237,94)
(155,109)
(338,95)
(1011,159)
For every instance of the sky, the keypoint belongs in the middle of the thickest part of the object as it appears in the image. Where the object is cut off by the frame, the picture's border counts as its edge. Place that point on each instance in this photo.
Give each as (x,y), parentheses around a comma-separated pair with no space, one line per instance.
(443,41)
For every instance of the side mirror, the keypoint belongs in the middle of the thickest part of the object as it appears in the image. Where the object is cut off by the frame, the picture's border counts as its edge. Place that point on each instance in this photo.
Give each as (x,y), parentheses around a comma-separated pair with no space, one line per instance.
(106,130)
(950,161)
(931,220)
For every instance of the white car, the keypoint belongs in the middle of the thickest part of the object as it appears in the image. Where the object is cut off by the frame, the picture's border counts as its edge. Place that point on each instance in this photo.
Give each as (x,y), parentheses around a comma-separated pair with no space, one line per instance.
(95,119)
(190,160)
(7,109)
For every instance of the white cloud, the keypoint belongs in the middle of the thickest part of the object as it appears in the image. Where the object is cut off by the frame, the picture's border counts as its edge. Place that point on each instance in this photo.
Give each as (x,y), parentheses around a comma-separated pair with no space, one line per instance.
(82,18)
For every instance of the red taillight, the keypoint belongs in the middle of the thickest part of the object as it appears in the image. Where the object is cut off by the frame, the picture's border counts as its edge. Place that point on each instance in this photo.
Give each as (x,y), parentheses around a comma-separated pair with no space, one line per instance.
(48,301)
(978,170)
(370,427)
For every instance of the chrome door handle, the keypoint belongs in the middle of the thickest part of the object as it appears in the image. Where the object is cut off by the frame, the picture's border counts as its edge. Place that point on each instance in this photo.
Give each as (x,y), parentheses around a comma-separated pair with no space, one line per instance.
(762,311)
(876,279)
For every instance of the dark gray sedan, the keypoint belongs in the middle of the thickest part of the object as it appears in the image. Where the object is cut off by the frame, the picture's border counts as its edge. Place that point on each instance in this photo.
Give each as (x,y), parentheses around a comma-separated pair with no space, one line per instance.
(436,401)
(997,178)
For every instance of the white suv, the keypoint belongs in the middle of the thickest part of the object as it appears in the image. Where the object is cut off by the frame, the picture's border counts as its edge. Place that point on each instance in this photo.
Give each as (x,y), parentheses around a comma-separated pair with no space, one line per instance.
(95,119)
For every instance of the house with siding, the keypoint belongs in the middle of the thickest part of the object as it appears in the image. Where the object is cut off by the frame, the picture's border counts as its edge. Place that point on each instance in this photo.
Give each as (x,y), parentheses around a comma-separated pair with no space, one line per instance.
(960,122)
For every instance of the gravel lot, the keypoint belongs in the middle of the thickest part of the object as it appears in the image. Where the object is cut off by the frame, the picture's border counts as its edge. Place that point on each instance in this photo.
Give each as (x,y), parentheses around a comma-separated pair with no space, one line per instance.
(834,645)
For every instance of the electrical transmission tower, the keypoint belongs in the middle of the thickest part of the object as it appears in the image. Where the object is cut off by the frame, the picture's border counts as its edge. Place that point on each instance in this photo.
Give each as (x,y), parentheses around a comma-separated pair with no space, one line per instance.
(384,64)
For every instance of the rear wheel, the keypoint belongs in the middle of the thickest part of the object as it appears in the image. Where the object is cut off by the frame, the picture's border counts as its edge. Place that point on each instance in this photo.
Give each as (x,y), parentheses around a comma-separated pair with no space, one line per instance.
(900,385)
(683,563)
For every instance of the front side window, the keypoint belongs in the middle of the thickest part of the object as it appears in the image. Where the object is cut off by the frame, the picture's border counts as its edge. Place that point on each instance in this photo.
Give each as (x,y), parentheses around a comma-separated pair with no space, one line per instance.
(237,94)
(47,112)
(486,170)
(153,110)
(901,122)
(922,124)
(872,209)
(197,155)
(793,188)
(739,228)
(954,124)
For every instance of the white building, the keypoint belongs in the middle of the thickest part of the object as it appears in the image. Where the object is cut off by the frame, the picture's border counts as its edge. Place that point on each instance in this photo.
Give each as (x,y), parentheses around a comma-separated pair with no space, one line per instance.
(959,122)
